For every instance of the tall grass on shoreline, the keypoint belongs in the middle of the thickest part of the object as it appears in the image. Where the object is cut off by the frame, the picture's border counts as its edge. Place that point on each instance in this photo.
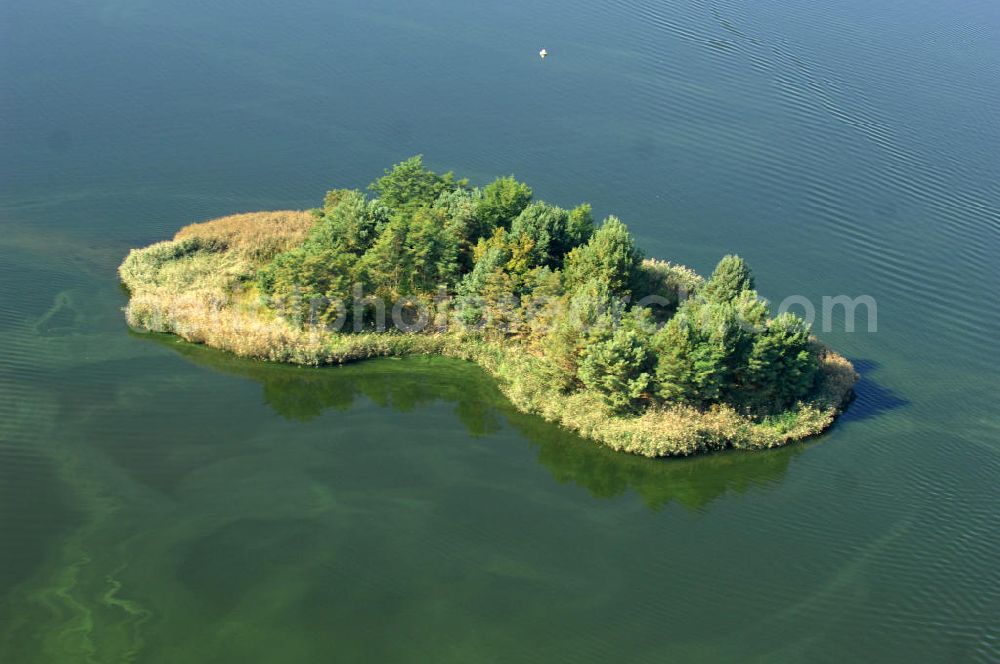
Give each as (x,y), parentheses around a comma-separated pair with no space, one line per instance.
(197,287)
(256,236)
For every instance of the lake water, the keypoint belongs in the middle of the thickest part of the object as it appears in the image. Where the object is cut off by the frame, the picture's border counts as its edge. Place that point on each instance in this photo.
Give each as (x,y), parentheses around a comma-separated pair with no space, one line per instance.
(166,503)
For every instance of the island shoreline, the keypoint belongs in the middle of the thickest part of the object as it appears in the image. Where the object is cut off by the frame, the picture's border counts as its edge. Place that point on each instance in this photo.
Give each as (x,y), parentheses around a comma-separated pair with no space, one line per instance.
(670,431)
(570,318)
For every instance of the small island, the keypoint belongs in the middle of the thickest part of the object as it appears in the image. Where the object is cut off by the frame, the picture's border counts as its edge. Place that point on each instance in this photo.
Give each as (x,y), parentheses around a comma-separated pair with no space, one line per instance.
(575,323)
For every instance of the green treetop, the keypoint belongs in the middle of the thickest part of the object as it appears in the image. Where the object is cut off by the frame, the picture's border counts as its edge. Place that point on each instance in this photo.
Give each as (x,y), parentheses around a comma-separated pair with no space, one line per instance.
(409,184)
(501,201)
(609,256)
(731,277)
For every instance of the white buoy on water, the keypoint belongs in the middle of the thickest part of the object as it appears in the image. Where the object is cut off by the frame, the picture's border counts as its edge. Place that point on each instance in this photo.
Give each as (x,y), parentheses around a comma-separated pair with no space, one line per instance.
(542,53)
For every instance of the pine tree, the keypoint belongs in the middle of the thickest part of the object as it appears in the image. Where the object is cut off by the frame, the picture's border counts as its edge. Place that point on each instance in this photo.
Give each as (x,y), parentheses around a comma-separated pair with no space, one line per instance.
(610,256)
(691,366)
(350,222)
(409,185)
(782,365)
(547,227)
(586,313)
(731,277)
(500,202)
(580,226)
(618,364)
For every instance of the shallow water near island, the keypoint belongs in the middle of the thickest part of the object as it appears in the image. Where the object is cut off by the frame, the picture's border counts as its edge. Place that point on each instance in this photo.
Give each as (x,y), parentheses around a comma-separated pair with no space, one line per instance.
(161,502)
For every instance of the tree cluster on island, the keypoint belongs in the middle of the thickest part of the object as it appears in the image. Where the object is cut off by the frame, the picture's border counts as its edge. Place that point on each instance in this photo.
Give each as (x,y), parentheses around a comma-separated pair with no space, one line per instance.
(499,253)
(557,307)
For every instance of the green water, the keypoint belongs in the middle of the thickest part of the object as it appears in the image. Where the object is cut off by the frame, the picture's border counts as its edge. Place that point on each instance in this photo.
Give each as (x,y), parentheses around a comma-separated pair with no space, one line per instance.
(166,503)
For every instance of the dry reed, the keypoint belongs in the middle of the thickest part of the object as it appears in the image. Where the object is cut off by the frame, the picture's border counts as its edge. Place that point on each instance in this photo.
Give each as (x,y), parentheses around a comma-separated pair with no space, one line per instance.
(258,236)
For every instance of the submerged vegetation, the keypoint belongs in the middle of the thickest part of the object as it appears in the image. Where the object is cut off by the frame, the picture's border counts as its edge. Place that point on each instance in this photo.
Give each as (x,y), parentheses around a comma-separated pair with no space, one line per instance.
(577,325)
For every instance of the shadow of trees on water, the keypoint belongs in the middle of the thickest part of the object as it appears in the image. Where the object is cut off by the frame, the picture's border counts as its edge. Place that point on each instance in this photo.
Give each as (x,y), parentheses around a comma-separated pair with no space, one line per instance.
(870,398)
(304,393)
